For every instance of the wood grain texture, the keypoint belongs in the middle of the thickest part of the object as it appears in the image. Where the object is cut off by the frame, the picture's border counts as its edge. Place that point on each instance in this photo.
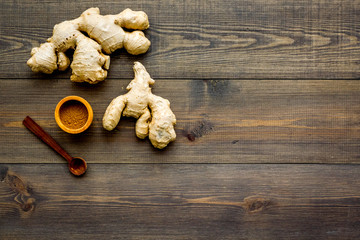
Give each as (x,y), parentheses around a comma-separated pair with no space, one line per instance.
(251,121)
(268,133)
(249,39)
(181,201)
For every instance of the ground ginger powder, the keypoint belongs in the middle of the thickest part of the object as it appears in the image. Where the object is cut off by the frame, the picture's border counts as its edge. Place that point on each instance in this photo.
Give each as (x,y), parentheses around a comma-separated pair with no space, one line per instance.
(73,114)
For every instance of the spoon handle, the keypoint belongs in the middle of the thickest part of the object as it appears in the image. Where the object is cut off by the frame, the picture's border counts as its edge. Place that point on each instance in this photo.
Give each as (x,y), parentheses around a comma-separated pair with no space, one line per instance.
(45,137)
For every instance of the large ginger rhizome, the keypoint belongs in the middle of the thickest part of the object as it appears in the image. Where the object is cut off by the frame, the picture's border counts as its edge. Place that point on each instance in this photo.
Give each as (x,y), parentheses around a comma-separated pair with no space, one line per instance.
(104,34)
(155,118)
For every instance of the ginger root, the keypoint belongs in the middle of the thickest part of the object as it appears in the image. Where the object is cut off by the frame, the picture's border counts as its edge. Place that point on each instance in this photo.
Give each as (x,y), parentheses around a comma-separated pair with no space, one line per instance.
(155,118)
(89,63)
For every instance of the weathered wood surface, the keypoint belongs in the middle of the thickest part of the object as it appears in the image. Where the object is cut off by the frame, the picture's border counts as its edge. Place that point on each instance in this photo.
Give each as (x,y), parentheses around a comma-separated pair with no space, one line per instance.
(251,121)
(249,39)
(180,201)
(253,83)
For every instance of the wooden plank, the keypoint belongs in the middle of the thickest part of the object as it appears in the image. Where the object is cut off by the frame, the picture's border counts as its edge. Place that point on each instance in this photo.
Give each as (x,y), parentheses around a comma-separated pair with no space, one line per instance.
(218,121)
(249,39)
(180,201)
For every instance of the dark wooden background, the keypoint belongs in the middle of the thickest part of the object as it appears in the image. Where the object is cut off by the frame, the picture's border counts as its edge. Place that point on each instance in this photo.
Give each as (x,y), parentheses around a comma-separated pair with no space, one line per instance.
(267,100)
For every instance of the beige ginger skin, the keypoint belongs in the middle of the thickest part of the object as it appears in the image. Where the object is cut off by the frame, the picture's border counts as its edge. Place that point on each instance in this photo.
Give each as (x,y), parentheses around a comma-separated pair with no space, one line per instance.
(106,34)
(155,118)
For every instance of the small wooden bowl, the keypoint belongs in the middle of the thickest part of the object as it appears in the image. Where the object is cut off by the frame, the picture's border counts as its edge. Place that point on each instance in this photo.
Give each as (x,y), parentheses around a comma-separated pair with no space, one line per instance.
(68,101)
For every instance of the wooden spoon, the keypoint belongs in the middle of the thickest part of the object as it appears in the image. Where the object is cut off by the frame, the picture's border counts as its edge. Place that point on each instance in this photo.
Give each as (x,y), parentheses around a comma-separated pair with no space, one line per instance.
(77,166)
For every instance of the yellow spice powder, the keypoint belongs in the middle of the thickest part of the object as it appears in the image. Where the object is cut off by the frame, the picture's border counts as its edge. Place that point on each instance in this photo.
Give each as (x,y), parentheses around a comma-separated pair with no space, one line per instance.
(73,114)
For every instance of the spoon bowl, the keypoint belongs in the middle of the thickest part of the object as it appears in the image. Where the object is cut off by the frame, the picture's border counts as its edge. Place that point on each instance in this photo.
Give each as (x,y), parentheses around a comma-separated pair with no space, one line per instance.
(77,166)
